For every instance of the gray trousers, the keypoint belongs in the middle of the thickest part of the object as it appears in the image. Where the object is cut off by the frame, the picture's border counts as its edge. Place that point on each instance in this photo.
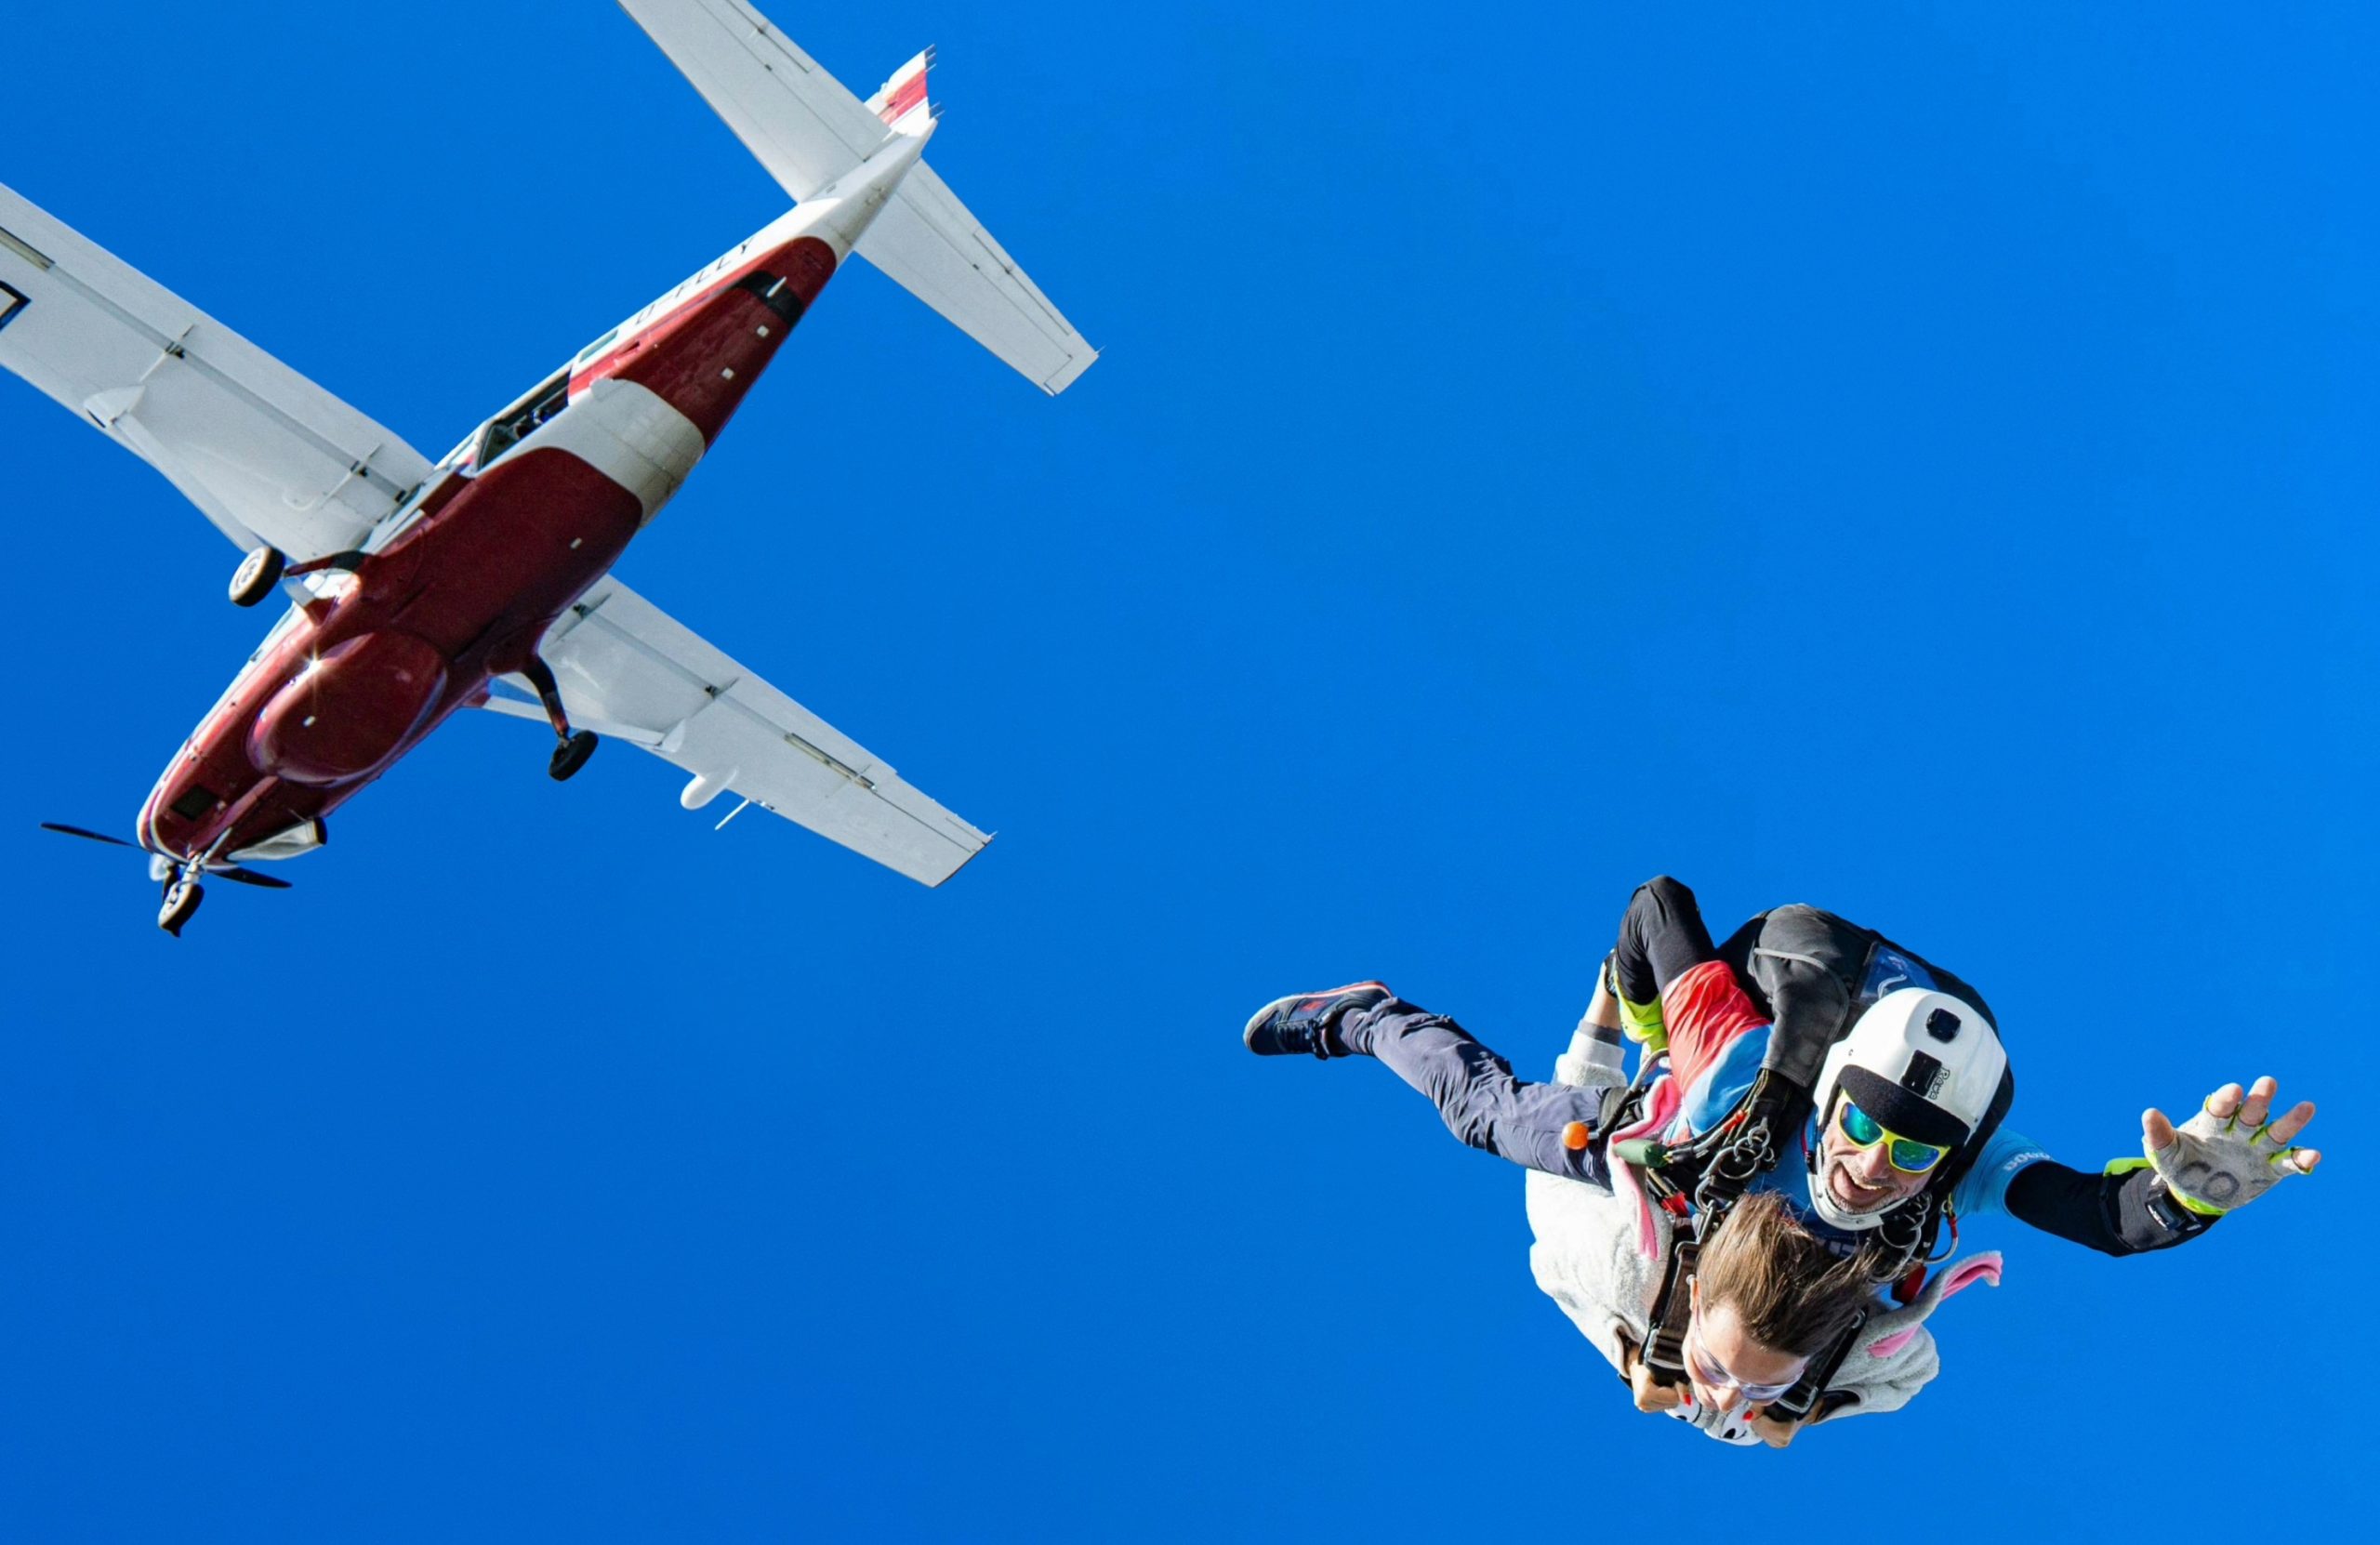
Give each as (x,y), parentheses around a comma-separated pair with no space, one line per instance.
(1477,1094)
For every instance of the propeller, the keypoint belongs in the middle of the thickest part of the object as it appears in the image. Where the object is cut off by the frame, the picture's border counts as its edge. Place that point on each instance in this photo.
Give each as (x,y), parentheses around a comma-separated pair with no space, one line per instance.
(249,876)
(201,870)
(92,836)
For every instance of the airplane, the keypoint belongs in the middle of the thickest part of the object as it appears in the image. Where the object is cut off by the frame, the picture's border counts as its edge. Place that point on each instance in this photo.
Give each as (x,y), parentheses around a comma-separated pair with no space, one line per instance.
(484,579)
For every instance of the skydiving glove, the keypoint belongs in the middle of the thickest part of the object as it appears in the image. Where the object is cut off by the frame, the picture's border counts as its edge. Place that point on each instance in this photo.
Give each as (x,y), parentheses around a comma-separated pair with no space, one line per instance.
(1776,1105)
(1719,1165)
(2215,1166)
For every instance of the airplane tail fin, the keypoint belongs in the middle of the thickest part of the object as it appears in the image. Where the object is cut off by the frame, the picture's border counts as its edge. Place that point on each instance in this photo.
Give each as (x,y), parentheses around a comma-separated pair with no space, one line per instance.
(809,130)
(903,96)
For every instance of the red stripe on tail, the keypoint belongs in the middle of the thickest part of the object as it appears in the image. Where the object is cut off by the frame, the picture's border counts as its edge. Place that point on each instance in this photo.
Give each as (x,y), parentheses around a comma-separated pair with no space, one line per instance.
(911,93)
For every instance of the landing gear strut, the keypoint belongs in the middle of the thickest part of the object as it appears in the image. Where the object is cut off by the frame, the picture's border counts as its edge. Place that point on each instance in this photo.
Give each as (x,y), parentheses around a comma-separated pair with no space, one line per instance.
(256,575)
(576,744)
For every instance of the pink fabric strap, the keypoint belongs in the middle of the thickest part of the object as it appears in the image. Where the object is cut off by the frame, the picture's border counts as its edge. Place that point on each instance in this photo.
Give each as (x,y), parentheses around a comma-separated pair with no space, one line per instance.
(1661,1108)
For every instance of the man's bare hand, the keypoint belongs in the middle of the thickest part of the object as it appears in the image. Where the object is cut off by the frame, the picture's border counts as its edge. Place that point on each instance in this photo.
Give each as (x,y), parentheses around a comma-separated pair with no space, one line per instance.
(1775,1431)
(2226,1156)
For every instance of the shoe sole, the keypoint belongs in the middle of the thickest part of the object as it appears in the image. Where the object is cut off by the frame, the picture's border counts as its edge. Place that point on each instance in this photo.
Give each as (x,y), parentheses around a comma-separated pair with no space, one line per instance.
(1247,1036)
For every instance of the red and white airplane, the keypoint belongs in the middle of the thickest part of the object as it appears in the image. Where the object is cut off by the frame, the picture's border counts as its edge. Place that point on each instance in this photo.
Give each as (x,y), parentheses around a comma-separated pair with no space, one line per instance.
(484,580)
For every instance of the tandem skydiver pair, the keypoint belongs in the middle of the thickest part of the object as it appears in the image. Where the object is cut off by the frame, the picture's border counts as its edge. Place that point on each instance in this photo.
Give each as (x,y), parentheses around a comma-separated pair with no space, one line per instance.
(1813,1106)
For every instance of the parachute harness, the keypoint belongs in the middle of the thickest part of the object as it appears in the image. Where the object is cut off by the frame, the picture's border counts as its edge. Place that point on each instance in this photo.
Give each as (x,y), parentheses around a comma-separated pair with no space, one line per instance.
(1719,1167)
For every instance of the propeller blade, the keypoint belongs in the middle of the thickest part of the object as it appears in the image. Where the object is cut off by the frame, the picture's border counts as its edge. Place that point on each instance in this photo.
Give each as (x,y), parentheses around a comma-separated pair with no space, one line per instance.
(94,836)
(248,876)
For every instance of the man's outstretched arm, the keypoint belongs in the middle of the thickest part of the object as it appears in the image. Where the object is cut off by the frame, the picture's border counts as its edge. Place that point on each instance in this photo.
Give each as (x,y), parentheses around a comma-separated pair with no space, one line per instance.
(2223,1159)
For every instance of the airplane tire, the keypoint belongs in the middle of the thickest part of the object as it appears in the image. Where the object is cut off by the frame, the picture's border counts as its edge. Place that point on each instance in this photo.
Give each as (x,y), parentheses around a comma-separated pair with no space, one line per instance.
(181,905)
(572,755)
(256,575)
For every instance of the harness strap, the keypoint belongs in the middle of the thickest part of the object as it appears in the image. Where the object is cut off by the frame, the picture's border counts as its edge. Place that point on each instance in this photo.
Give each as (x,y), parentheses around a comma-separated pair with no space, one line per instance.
(1664,1350)
(1796,1402)
(1717,1168)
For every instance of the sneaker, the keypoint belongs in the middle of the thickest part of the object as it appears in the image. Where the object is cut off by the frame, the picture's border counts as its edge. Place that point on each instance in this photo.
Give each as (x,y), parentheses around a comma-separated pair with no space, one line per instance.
(1289,1026)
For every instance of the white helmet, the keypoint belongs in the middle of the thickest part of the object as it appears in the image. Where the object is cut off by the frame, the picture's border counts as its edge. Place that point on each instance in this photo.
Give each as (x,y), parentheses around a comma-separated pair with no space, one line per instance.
(1924,1065)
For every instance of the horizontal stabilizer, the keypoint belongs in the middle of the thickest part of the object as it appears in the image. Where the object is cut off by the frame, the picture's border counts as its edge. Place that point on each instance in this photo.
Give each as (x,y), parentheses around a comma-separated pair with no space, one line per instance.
(926,242)
(808,130)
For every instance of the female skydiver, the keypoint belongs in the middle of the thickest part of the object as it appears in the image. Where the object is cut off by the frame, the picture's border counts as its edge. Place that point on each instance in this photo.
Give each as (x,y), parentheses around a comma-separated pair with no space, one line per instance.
(1767,1297)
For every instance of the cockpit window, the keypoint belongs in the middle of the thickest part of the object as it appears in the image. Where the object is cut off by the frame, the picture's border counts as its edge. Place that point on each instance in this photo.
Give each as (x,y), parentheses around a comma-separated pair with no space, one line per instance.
(595,348)
(516,423)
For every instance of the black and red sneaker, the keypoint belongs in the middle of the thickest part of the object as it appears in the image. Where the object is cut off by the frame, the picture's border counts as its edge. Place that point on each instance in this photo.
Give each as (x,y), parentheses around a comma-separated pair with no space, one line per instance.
(1292,1026)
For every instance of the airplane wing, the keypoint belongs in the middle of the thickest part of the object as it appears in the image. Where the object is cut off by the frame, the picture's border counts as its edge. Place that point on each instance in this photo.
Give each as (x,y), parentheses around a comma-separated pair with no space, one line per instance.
(264,452)
(628,670)
(800,123)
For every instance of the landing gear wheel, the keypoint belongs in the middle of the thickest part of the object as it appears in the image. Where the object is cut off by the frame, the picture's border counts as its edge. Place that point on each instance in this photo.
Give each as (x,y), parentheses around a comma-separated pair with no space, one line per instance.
(181,904)
(256,575)
(571,755)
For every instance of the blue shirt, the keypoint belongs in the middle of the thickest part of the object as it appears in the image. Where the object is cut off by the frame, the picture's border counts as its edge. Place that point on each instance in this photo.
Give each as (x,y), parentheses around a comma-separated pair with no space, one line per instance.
(1722,1086)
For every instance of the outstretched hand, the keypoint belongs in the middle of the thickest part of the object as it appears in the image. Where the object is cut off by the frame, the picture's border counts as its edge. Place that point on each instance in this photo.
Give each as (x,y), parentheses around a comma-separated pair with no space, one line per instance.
(2226,1155)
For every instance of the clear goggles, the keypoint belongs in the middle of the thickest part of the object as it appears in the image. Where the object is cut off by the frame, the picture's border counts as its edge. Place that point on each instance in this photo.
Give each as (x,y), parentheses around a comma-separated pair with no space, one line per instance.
(1708,1369)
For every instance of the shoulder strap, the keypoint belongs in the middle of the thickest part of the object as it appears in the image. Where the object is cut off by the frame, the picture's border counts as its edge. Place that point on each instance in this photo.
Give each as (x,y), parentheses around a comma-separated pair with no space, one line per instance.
(1715,1169)
(1664,1350)
(1795,1403)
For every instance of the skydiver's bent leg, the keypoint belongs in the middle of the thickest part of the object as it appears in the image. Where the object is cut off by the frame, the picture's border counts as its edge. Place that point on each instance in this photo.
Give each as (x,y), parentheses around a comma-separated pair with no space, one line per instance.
(1477,1094)
(1677,993)
(1662,937)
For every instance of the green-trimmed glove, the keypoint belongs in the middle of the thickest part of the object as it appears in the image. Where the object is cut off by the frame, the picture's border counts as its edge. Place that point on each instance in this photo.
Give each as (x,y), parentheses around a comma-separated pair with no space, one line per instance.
(2215,1166)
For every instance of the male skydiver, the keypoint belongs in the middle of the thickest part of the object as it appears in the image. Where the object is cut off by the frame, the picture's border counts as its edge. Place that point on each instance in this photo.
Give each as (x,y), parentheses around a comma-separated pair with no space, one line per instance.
(1804,1032)
(1907,1108)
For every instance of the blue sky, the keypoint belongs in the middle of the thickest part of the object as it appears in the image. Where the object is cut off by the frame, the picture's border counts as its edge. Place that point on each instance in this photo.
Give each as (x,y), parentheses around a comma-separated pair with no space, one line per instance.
(1917,461)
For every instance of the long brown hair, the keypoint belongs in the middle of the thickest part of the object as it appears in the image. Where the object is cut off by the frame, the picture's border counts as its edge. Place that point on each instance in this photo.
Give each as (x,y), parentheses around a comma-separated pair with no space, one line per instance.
(1791,1292)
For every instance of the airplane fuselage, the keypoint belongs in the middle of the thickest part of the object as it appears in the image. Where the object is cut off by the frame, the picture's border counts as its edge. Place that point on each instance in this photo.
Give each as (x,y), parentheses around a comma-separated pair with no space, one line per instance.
(486,579)
(461,584)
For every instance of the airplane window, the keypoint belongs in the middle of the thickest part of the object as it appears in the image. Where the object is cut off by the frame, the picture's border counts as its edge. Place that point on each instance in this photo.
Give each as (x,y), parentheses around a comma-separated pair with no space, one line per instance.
(597,347)
(520,422)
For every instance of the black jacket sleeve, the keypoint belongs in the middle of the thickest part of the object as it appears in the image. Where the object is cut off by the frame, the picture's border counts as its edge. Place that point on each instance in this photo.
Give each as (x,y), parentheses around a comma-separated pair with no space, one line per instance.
(2115,1214)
